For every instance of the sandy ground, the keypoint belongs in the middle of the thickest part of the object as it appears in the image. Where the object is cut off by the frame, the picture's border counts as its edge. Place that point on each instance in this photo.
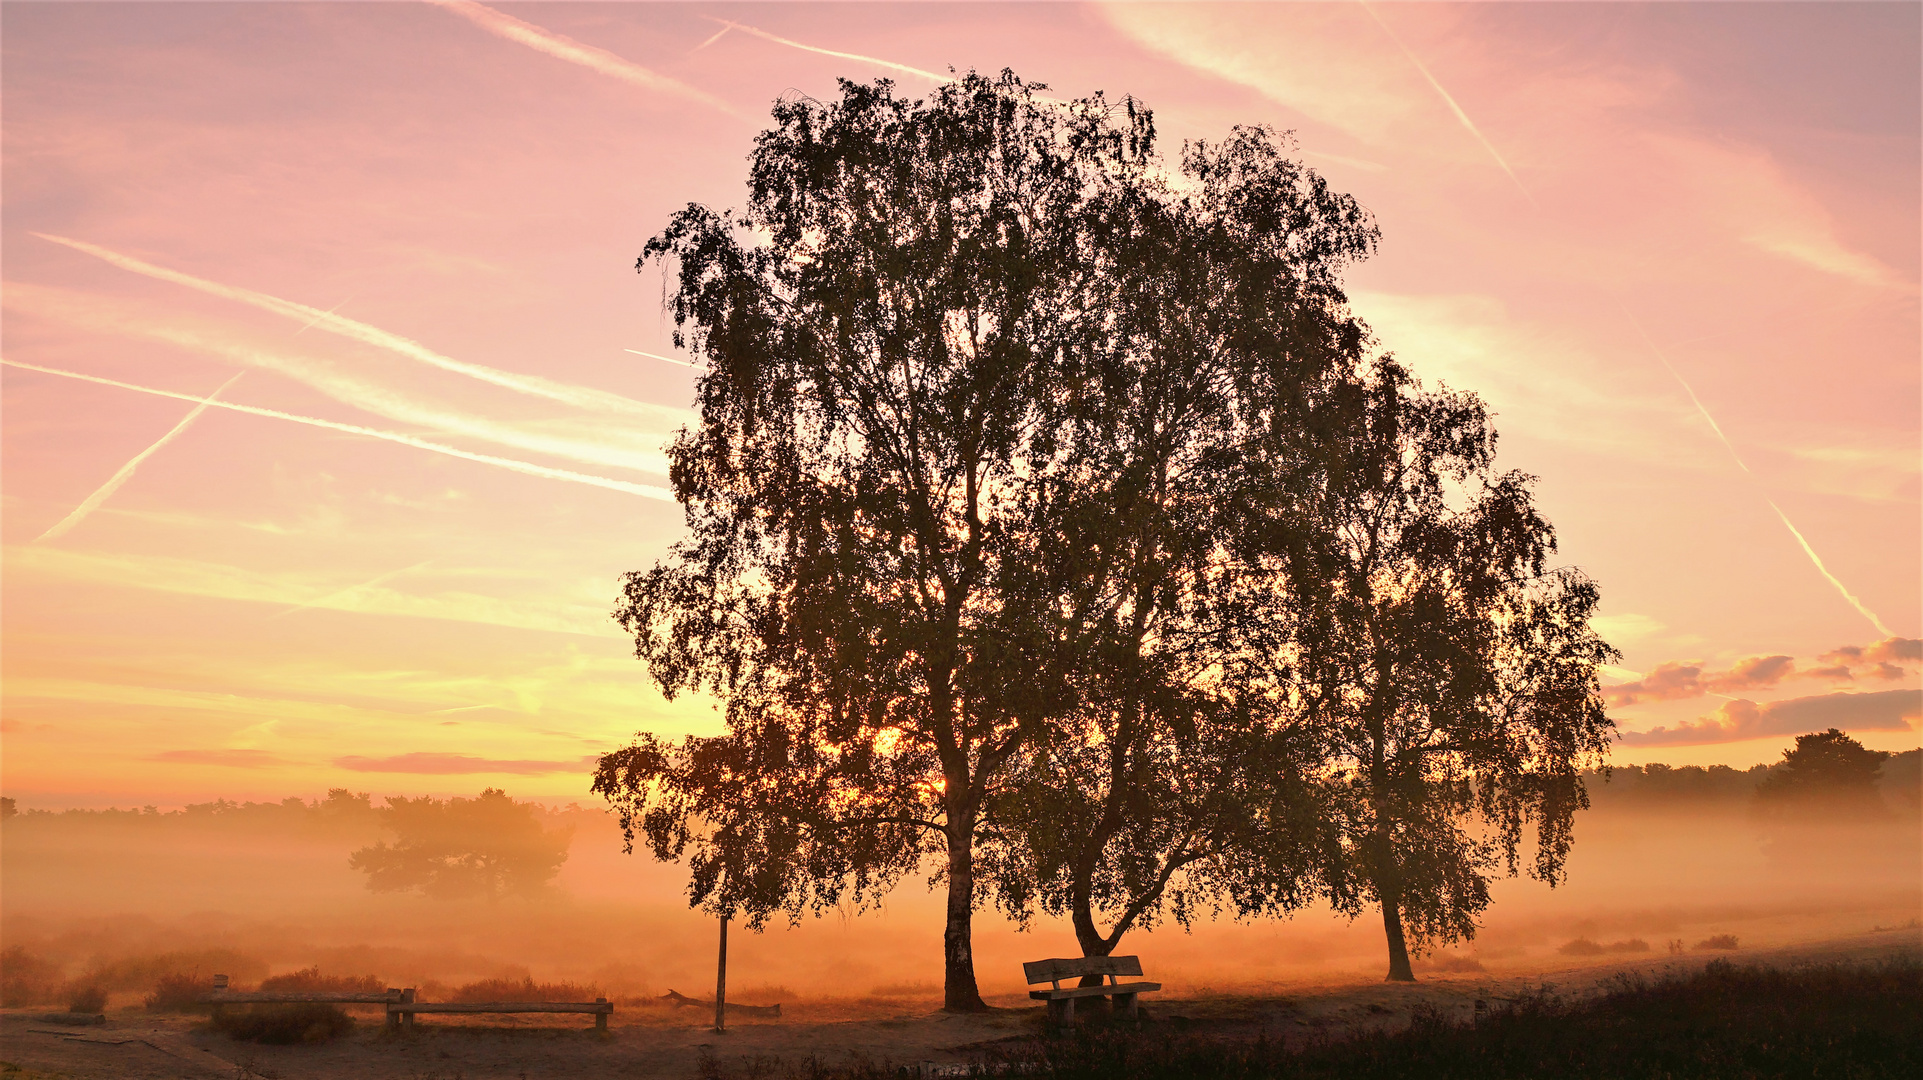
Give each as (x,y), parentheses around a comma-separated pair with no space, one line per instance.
(650,1041)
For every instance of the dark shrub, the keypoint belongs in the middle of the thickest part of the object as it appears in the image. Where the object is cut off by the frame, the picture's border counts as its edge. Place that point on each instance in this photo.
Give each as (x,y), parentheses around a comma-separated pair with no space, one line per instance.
(89,999)
(1582,946)
(1718,941)
(284,1025)
(178,994)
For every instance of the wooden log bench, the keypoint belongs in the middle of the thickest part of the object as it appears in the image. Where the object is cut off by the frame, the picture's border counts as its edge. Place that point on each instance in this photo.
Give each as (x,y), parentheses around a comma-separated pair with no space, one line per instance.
(1061,999)
(404,1011)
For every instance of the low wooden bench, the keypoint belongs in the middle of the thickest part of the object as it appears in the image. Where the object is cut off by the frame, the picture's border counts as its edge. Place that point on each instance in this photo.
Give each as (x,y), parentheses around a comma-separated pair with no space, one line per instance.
(221,996)
(404,1011)
(1061,999)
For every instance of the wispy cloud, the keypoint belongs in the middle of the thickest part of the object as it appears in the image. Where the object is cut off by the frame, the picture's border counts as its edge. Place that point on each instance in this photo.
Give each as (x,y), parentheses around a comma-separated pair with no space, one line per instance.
(626,444)
(101,493)
(581,397)
(339,596)
(729,24)
(1461,116)
(237,759)
(526,468)
(1814,558)
(566,48)
(432,764)
(294,589)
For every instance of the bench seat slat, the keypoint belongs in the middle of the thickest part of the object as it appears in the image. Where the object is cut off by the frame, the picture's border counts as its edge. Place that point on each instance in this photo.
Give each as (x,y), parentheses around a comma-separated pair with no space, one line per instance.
(1075,967)
(1093,991)
(503,1007)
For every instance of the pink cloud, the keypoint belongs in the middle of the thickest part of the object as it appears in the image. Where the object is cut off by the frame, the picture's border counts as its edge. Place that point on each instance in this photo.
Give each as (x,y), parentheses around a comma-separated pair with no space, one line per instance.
(1885,710)
(1756,671)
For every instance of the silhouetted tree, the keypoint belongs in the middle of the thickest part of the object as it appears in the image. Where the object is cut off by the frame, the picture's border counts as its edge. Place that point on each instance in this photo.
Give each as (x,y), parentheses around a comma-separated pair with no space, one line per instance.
(1449,674)
(488,846)
(894,335)
(1826,767)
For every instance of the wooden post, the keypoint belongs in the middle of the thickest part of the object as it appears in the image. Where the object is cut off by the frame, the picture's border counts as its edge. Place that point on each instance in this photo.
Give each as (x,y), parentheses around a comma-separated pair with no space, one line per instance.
(601,1016)
(407,1018)
(721,981)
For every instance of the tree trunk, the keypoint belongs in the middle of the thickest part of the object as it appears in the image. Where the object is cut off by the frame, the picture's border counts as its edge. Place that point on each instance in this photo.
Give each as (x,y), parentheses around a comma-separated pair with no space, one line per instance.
(1398,946)
(1092,943)
(959,992)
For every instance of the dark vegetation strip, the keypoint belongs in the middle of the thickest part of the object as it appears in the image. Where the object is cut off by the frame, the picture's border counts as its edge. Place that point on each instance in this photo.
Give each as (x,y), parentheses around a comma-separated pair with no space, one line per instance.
(1725,1021)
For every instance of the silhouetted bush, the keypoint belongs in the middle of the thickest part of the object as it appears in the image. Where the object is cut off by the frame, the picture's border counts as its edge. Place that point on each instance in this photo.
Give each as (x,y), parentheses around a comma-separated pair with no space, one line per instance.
(1718,941)
(284,1025)
(1586,947)
(178,994)
(86,999)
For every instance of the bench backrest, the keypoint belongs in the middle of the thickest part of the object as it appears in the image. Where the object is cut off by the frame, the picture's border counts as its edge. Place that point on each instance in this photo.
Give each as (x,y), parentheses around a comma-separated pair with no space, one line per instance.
(1040,971)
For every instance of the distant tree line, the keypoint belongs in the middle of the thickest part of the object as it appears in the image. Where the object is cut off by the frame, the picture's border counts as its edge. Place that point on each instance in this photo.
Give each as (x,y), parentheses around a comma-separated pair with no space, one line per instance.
(1827,770)
(1053,525)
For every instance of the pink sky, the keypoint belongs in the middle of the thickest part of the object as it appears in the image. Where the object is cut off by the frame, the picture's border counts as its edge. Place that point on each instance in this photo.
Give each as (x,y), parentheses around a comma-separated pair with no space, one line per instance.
(411,595)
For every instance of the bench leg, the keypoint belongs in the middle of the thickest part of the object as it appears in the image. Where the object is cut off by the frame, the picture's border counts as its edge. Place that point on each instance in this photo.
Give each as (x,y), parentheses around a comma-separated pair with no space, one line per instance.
(1125,1006)
(600,1021)
(1061,1014)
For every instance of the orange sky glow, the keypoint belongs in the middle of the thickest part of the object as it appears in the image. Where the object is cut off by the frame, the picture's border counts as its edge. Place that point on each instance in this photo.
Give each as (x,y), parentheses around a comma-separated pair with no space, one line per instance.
(330,419)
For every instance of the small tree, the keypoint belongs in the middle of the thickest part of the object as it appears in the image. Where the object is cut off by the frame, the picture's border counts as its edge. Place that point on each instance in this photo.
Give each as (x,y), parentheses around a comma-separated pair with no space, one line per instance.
(488,846)
(1826,768)
(1450,675)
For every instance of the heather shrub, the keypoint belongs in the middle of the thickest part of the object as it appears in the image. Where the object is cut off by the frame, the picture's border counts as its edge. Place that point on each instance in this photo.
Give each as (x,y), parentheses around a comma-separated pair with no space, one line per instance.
(284,1025)
(310,980)
(87,999)
(524,990)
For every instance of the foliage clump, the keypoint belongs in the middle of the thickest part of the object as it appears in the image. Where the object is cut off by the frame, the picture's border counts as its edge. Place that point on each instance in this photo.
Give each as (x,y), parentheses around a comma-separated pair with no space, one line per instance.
(488,846)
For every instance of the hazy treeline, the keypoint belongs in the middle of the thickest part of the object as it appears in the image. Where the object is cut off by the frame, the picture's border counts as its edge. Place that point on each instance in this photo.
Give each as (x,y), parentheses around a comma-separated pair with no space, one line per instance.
(1661,787)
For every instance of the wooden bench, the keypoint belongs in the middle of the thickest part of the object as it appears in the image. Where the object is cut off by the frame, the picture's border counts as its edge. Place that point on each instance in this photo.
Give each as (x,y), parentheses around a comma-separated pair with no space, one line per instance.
(1061,999)
(403,1011)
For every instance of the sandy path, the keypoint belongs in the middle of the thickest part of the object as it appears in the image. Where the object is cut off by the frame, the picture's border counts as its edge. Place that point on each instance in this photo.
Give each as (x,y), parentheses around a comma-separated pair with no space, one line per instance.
(669,1045)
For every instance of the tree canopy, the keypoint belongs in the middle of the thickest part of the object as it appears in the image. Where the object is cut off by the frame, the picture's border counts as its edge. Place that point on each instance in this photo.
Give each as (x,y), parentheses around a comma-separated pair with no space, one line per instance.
(1027,472)
(488,846)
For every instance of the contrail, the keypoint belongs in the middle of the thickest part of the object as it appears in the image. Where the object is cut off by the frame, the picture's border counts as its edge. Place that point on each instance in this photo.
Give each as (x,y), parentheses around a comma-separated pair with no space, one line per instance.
(1814,558)
(648,491)
(587,443)
(1457,109)
(667,359)
(729,24)
(579,396)
(310,323)
(92,502)
(566,48)
(381,579)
